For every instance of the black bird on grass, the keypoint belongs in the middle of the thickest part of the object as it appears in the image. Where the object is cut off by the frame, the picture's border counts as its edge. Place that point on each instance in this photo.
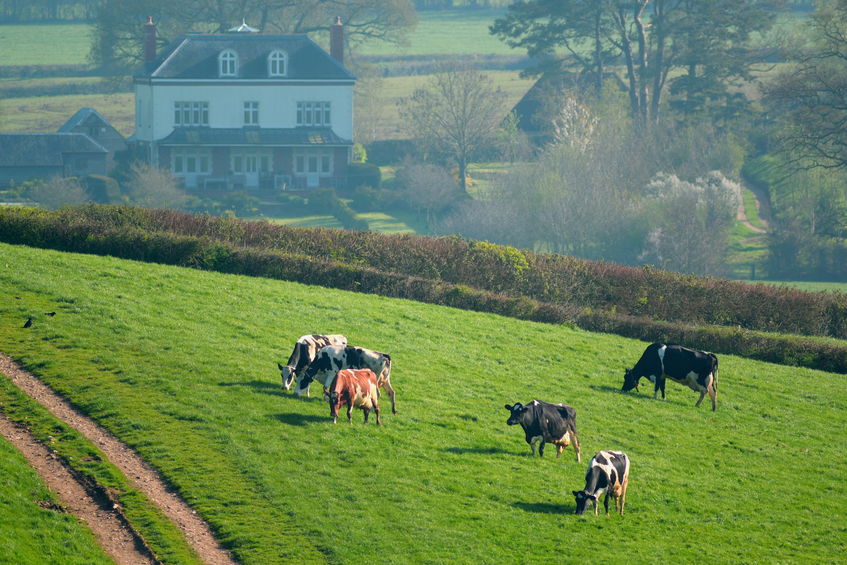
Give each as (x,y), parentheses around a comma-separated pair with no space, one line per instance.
(28,322)
(51,314)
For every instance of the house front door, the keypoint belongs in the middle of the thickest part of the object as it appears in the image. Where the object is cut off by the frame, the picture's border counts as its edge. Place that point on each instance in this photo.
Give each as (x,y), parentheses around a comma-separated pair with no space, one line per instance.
(250,165)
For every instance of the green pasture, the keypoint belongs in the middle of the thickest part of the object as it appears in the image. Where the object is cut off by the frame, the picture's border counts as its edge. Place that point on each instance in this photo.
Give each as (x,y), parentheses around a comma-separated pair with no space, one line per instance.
(39,114)
(45,44)
(181,365)
(33,528)
(445,32)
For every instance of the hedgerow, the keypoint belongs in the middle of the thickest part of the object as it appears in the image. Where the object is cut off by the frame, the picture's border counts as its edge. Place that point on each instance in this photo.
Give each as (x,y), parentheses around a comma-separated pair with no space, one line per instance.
(463,274)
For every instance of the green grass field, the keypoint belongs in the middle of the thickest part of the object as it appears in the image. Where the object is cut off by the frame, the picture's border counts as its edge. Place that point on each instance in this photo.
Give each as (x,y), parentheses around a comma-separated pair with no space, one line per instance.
(28,44)
(181,365)
(31,529)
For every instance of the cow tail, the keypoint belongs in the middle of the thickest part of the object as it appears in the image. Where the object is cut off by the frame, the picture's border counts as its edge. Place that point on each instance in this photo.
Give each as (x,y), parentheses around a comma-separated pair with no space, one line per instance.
(715,375)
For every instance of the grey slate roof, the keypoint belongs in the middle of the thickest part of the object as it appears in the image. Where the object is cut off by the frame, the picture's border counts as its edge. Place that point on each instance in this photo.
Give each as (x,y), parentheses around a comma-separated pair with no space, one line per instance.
(88,117)
(43,149)
(265,137)
(196,57)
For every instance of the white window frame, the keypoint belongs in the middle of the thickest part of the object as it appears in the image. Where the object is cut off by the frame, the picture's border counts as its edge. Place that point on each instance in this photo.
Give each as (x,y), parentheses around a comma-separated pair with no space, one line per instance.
(228,63)
(190,161)
(311,113)
(278,64)
(251,113)
(314,161)
(191,113)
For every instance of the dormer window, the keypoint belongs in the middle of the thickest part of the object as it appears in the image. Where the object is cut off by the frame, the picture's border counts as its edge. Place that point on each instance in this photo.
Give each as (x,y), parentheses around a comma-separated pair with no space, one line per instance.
(277,64)
(228,63)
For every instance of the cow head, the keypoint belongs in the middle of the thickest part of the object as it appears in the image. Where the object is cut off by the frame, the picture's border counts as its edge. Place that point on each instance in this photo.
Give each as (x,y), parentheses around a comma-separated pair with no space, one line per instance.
(288,375)
(304,380)
(517,412)
(582,500)
(630,381)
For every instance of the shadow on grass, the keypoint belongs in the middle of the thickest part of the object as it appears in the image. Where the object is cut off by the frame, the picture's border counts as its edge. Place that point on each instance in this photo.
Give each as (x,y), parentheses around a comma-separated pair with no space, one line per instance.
(607,388)
(545,507)
(265,387)
(295,419)
(476,450)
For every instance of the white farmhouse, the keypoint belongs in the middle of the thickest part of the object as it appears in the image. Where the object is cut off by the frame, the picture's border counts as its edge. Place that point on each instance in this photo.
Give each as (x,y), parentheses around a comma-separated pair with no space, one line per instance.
(242,109)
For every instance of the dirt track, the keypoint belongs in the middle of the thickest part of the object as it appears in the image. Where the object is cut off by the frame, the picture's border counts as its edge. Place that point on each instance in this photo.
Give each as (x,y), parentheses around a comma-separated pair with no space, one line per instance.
(139,474)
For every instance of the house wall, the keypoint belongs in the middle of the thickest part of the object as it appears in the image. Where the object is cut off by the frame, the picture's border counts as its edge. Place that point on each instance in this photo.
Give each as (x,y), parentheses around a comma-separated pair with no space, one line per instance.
(277,104)
(81,164)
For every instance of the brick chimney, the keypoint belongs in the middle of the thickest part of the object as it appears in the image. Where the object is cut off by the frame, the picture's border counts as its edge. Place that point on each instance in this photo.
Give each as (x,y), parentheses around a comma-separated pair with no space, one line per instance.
(336,41)
(149,40)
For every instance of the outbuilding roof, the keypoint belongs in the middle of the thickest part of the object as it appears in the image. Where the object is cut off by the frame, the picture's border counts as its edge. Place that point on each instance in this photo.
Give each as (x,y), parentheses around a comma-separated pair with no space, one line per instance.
(43,149)
(195,57)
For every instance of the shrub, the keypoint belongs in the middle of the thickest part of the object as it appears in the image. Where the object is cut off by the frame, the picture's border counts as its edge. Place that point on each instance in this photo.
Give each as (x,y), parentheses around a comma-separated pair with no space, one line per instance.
(359,174)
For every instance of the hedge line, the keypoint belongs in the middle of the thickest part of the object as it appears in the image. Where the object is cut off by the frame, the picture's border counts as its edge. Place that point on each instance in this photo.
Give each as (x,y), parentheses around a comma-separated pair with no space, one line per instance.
(53,231)
(645,291)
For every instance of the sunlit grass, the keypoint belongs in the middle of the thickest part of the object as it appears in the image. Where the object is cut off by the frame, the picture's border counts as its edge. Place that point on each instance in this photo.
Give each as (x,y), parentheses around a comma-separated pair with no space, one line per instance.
(181,365)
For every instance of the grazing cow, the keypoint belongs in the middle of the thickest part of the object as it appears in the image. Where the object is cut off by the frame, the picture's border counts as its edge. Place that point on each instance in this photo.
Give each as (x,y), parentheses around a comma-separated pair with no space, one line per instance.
(333,358)
(304,353)
(356,388)
(696,369)
(609,471)
(543,422)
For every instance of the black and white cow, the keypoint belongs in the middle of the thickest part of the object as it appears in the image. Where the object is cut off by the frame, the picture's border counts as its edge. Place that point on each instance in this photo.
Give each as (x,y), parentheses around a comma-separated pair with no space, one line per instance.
(609,471)
(696,369)
(304,353)
(543,422)
(333,358)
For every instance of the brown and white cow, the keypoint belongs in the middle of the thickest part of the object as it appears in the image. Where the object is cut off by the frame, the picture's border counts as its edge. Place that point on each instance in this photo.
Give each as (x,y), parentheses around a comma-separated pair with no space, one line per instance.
(355,388)
(609,471)
(334,358)
(305,351)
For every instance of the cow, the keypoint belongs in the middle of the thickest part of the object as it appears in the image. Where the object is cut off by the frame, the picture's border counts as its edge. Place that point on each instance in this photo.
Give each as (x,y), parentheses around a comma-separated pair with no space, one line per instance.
(696,369)
(609,471)
(356,388)
(333,358)
(304,353)
(543,422)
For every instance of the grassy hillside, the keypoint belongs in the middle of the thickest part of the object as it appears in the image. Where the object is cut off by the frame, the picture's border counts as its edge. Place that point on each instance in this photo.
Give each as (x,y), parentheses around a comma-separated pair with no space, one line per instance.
(30,530)
(180,364)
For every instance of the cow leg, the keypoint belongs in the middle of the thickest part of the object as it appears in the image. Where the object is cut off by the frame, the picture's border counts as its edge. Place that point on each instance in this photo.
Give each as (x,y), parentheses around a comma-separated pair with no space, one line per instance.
(541,448)
(367,412)
(350,413)
(702,395)
(622,497)
(576,447)
(606,500)
(387,384)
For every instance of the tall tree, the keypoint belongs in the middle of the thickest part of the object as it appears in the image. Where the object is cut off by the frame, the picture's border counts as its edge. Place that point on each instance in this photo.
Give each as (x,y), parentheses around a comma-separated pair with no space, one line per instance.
(117,36)
(811,95)
(654,38)
(457,113)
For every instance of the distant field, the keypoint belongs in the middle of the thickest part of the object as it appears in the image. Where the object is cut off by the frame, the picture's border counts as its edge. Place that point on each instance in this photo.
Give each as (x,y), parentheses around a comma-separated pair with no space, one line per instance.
(812,286)
(59,44)
(448,31)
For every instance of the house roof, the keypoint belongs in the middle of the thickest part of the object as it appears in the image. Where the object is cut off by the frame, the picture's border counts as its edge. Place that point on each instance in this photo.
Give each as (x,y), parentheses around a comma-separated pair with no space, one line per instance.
(43,149)
(88,117)
(268,137)
(195,57)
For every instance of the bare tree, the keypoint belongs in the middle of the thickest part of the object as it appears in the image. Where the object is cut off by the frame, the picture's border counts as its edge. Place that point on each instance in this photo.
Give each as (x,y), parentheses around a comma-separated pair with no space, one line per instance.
(456,113)
(428,188)
(57,192)
(153,187)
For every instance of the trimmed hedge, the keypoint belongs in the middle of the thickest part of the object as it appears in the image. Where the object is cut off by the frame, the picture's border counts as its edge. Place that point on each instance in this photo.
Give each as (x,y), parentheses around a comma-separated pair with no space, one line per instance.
(219,244)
